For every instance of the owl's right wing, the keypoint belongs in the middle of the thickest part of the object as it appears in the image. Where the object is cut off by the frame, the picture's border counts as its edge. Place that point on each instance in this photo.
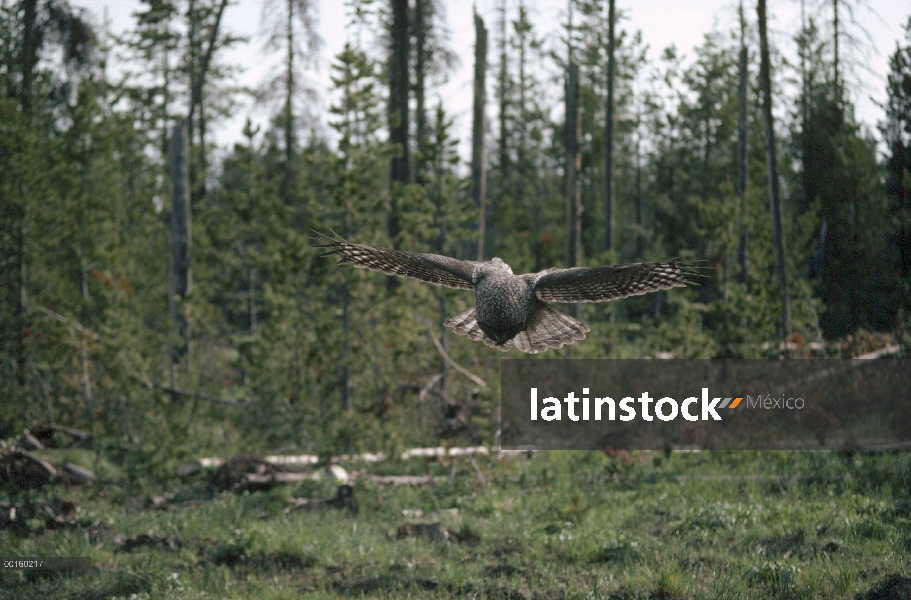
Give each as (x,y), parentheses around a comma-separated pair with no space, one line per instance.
(600,284)
(432,268)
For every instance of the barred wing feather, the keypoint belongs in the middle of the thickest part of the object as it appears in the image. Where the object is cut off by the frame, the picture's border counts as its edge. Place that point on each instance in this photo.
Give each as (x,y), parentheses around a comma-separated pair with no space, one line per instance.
(600,284)
(432,268)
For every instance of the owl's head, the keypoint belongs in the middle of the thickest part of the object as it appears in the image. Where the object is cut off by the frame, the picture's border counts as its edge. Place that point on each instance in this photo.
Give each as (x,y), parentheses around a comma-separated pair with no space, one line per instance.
(498,263)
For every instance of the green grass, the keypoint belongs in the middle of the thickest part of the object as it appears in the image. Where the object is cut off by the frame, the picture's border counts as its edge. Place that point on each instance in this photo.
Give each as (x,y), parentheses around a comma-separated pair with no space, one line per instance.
(583,525)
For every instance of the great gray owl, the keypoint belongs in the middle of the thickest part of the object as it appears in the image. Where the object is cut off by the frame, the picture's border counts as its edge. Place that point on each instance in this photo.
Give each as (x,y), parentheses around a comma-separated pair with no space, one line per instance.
(511,310)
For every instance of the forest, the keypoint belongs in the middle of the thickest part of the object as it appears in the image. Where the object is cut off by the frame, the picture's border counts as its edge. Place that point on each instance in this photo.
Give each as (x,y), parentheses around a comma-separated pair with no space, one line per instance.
(163,299)
(168,298)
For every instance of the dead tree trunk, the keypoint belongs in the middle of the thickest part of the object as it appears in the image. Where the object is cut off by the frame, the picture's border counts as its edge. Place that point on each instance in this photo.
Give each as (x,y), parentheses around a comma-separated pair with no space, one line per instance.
(29,53)
(197,83)
(398,110)
(13,282)
(478,129)
(420,77)
(288,175)
(743,248)
(503,95)
(609,133)
(573,163)
(772,160)
(346,356)
(181,241)
(835,40)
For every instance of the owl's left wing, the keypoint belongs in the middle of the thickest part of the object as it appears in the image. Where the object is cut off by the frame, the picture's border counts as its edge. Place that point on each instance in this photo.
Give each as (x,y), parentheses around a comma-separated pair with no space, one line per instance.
(600,284)
(432,268)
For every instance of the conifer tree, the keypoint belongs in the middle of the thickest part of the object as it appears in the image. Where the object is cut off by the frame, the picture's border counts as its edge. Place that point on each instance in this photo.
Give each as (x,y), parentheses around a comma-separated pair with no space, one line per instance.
(897,133)
(291,28)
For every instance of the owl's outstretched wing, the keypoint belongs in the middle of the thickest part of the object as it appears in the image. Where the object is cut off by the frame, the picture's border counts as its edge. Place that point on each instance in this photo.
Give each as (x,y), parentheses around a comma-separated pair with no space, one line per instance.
(600,284)
(432,268)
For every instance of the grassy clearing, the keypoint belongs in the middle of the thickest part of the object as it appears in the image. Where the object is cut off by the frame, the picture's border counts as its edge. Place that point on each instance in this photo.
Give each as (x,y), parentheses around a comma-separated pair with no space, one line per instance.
(580,525)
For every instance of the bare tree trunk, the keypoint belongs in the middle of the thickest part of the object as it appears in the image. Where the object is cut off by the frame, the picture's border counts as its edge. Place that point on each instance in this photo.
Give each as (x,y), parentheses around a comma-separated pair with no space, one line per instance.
(29,53)
(609,132)
(743,248)
(346,356)
(347,396)
(503,81)
(478,130)
(573,163)
(193,68)
(288,178)
(772,160)
(253,323)
(439,174)
(166,100)
(181,240)
(522,141)
(87,386)
(86,375)
(197,80)
(503,132)
(18,295)
(835,40)
(420,76)
(13,280)
(398,112)
(640,210)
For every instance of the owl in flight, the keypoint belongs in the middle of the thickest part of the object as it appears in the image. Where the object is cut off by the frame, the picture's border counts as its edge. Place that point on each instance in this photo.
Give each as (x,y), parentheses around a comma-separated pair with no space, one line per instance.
(512,311)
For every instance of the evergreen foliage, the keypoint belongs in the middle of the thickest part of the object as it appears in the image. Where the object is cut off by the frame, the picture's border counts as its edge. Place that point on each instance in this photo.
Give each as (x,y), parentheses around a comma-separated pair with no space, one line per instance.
(290,351)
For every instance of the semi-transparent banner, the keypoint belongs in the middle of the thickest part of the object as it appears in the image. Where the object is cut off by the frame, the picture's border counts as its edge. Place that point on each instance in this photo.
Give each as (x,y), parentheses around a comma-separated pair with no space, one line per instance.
(706,404)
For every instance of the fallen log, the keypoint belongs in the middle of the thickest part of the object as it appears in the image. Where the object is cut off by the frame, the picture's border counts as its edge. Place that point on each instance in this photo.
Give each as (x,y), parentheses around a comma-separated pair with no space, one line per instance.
(29,442)
(257,479)
(406,479)
(289,462)
(44,433)
(80,474)
(887,351)
(24,470)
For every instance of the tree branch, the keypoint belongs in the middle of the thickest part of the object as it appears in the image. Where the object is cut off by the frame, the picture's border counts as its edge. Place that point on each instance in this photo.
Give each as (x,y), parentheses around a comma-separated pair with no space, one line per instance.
(453,363)
(200,396)
(76,324)
(196,93)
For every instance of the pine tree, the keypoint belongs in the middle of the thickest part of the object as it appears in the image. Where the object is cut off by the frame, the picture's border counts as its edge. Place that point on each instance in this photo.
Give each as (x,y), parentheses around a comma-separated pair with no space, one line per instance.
(432,59)
(897,133)
(479,134)
(398,114)
(840,183)
(354,183)
(291,27)
(778,242)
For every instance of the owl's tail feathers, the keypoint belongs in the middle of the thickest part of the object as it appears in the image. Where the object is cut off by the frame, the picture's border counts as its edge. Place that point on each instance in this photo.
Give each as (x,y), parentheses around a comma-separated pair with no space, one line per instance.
(546,328)
(466,324)
(549,328)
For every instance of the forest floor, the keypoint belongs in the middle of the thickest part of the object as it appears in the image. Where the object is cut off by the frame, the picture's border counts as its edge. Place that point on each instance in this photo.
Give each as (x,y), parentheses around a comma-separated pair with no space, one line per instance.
(581,525)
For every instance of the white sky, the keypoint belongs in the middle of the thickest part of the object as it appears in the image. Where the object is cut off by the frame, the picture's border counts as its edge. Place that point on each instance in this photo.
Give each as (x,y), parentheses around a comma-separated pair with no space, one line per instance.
(662,22)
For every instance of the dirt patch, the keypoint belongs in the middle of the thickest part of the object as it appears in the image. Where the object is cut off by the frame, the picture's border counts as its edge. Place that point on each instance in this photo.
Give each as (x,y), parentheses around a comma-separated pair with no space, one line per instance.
(57,513)
(504,571)
(892,587)
(145,540)
(344,498)
(236,556)
(433,531)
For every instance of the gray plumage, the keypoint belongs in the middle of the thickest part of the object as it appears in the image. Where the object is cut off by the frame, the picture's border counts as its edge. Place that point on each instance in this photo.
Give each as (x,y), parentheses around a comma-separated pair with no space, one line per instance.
(511,311)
